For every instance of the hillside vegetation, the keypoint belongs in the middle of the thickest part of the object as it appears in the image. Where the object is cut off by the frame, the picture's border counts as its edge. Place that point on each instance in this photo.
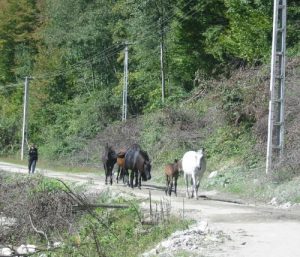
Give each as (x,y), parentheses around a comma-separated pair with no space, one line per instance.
(216,57)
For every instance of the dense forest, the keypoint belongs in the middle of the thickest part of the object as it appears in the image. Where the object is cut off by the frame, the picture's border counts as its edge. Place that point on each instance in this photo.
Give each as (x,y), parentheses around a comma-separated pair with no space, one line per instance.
(73,52)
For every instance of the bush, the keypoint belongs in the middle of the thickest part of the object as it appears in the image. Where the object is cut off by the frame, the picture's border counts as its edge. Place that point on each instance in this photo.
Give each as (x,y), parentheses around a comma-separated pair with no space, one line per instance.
(33,202)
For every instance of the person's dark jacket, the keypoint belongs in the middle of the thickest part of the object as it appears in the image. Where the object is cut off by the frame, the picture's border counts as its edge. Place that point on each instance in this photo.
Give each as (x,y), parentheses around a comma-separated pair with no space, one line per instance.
(33,153)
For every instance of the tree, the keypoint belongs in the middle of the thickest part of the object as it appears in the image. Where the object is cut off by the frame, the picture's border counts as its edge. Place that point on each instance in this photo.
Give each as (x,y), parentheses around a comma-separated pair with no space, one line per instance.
(18,21)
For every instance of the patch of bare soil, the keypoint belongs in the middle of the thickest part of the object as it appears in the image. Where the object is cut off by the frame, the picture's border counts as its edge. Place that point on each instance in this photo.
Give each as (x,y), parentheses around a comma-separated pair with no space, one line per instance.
(224,227)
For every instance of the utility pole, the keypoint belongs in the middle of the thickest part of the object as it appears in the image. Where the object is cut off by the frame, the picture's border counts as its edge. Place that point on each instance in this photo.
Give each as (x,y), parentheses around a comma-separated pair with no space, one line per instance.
(277,85)
(25,113)
(125,87)
(162,68)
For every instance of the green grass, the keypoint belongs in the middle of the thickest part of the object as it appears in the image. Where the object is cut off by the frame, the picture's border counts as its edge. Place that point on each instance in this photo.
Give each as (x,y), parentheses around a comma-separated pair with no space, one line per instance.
(111,232)
(50,165)
(254,185)
(184,253)
(118,232)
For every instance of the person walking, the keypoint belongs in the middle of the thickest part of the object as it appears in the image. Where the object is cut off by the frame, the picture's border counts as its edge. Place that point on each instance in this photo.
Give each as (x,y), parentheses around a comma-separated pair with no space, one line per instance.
(32,158)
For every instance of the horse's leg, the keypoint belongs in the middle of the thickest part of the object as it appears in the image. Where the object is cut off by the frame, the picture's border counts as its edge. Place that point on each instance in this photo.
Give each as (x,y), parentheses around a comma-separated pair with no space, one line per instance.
(136,174)
(127,177)
(167,184)
(111,175)
(187,185)
(139,179)
(121,174)
(171,185)
(194,193)
(175,185)
(131,178)
(108,174)
(124,175)
(198,182)
(118,173)
(105,169)
(197,187)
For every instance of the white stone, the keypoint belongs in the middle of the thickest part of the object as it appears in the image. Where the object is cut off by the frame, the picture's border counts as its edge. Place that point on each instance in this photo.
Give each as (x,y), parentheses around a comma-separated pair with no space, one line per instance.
(57,244)
(24,249)
(273,201)
(6,251)
(4,221)
(213,174)
(286,205)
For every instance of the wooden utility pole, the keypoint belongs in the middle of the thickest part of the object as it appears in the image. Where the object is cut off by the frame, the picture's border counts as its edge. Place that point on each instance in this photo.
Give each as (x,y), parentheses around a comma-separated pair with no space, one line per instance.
(125,87)
(277,85)
(25,114)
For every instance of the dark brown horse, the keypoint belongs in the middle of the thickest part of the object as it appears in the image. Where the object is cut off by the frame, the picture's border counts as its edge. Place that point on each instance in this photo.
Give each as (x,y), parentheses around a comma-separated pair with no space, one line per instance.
(109,159)
(138,162)
(172,172)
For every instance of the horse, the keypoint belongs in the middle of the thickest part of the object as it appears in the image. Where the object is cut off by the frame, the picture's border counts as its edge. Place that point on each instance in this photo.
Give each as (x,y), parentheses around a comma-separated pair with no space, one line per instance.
(138,162)
(109,159)
(172,172)
(194,166)
(121,165)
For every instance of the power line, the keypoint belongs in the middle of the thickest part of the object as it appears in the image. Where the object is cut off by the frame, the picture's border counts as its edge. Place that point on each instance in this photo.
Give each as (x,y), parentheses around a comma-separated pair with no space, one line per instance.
(112,50)
(166,29)
(116,48)
(10,86)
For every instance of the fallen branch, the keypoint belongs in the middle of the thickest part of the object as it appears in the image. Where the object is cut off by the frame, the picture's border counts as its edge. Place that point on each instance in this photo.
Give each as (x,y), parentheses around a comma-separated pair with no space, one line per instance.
(93,206)
(39,231)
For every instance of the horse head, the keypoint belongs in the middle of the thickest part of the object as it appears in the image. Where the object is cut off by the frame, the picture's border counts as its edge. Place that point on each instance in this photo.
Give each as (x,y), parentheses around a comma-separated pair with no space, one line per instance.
(146,174)
(147,171)
(111,153)
(200,156)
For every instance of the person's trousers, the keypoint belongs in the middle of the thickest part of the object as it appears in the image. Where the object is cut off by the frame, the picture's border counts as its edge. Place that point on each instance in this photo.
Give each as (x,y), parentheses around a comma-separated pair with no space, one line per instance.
(31,166)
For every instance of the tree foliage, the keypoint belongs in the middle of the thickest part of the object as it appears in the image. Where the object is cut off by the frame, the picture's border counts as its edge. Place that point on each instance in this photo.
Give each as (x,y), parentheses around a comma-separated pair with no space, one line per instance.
(74,50)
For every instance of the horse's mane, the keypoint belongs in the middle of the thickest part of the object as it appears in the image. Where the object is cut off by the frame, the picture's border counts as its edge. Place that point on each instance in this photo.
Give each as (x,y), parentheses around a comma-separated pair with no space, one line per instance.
(134,147)
(145,155)
(121,154)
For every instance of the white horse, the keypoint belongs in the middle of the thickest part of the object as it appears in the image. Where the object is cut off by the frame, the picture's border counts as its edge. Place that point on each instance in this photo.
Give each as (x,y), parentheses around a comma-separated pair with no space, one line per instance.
(193,165)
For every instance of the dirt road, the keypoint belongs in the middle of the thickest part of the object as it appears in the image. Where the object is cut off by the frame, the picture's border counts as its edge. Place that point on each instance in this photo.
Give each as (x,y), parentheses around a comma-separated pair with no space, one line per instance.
(252,230)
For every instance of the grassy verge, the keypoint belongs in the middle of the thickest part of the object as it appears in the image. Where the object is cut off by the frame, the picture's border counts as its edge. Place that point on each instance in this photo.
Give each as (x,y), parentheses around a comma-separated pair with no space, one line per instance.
(45,164)
(254,185)
(85,232)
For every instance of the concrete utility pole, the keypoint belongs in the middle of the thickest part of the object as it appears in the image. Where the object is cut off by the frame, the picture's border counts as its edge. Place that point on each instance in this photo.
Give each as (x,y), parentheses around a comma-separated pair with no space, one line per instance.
(162,68)
(277,84)
(125,87)
(25,113)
